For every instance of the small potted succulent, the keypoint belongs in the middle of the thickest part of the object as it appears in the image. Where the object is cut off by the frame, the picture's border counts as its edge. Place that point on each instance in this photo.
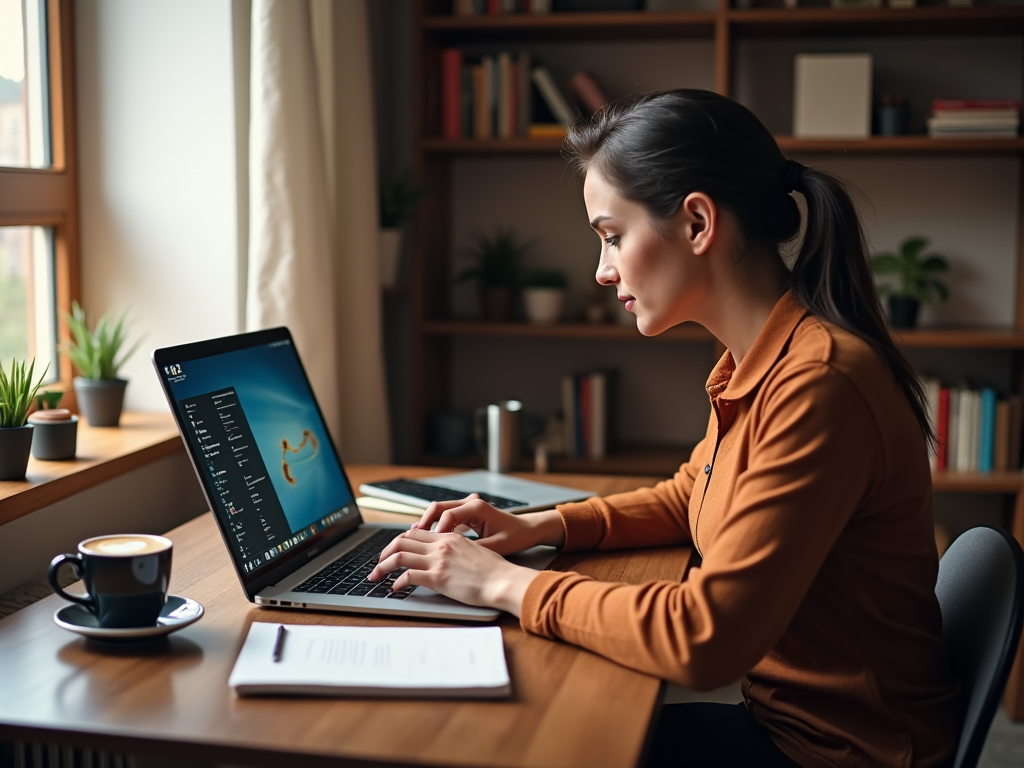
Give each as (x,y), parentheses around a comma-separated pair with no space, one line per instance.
(544,295)
(16,395)
(497,267)
(916,274)
(97,354)
(398,199)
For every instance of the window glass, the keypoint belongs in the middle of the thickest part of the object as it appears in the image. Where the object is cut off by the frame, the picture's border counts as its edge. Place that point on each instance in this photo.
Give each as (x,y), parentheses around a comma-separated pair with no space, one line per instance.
(24,85)
(28,308)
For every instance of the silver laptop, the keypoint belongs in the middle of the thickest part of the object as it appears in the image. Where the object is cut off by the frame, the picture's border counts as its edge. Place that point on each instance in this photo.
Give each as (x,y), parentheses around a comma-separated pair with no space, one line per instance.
(273,478)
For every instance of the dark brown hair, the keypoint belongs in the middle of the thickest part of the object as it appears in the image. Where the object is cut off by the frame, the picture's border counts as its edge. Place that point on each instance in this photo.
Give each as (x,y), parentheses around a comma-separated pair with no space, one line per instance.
(658,148)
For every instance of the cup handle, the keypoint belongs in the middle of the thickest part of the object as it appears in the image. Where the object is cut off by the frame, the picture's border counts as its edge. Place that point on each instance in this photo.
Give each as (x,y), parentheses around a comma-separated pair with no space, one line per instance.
(75,561)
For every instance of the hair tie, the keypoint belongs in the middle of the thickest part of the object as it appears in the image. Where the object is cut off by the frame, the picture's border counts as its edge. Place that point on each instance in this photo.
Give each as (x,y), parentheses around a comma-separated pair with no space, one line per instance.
(794,171)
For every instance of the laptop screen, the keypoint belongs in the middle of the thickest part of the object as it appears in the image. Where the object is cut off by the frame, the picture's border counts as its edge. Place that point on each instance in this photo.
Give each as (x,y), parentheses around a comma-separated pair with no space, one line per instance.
(259,441)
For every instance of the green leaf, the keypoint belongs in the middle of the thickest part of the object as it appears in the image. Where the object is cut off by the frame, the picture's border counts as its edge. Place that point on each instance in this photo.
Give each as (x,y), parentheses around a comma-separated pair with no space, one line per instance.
(17,393)
(912,247)
(885,264)
(97,354)
(934,263)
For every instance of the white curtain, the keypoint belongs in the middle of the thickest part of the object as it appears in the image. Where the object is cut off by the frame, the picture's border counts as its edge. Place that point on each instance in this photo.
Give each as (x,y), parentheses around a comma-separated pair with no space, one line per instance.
(312,209)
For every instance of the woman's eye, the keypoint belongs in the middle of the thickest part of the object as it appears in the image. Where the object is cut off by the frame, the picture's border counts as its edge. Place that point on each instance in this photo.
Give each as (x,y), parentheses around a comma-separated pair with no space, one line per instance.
(612,240)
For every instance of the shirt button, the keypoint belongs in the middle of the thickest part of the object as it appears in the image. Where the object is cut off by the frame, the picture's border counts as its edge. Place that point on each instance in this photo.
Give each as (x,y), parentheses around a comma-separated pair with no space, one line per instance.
(707,469)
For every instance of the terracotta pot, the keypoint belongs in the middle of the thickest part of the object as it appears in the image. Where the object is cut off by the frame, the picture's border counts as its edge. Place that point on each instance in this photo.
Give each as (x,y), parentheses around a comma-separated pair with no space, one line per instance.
(498,303)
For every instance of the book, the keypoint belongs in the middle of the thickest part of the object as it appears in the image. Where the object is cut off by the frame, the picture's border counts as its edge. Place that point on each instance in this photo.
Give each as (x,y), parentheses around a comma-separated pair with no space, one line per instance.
(987,429)
(1002,436)
(504,125)
(553,97)
(569,414)
(953,434)
(597,446)
(1013,452)
(974,444)
(587,92)
(523,97)
(451,93)
(434,662)
(386,505)
(975,104)
(942,430)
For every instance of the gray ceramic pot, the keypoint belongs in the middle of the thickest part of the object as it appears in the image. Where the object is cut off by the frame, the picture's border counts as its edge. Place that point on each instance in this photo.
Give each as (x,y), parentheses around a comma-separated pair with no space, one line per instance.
(55,440)
(100,400)
(15,445)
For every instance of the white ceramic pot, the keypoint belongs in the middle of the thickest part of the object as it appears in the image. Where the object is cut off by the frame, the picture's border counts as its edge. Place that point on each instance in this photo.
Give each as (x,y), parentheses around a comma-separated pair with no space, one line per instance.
(388,250)
(544,305)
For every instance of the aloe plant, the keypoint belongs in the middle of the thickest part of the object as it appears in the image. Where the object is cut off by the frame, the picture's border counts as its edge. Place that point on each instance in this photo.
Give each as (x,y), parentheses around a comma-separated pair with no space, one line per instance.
(97,353)
(915,272)
(17,392)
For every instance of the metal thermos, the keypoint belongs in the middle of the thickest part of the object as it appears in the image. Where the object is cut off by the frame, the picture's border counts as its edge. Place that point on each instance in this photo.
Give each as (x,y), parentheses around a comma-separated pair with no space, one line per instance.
(503,435)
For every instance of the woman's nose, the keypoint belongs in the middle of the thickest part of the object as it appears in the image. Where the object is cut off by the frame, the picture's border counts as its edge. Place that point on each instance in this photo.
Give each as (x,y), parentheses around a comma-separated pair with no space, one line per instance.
(606,274)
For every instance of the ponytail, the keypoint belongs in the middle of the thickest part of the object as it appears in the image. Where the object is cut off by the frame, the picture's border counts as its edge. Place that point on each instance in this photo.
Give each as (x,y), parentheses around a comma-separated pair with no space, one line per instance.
(832,280)
(657,148)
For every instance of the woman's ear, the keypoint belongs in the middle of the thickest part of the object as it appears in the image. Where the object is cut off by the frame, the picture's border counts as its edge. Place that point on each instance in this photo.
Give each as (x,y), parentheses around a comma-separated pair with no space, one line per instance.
(699,221)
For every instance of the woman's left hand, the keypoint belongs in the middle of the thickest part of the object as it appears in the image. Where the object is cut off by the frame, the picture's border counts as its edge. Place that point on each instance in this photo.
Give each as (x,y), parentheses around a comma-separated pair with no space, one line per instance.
(453,565)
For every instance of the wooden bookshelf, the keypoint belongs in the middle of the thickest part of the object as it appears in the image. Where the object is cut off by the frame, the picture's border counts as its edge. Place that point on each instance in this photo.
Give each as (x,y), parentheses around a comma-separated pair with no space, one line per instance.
(448,29)
(876,145)
(877,22)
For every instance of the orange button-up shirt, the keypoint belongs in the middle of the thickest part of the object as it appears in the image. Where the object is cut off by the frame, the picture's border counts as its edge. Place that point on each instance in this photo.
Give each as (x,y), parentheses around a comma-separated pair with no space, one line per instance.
(810,502)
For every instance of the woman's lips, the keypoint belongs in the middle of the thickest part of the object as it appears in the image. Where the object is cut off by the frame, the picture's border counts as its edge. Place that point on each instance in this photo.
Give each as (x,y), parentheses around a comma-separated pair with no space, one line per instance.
(627,302)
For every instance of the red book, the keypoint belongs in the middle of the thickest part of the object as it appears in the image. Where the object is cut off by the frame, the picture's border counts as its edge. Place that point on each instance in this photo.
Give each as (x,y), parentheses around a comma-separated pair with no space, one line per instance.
(451,93)
(493,7)
(969,104)
(942,429)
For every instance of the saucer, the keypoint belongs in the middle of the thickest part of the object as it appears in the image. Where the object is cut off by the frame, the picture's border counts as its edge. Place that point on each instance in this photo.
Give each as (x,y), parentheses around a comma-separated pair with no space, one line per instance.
(177,613)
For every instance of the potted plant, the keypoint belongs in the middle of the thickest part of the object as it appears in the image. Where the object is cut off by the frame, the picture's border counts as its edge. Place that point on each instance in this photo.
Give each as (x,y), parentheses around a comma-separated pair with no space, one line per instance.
(398,199)
(16,395)
(916,278)
(55,436)
(497,268)
(97,356)
(544,295)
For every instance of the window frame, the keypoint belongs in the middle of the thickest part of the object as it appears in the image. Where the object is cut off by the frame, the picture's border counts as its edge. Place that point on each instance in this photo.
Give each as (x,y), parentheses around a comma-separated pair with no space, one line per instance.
(48,197)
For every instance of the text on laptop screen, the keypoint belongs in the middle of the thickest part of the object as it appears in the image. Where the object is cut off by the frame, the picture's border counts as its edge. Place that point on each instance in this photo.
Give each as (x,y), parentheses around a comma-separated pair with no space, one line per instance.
(263,448)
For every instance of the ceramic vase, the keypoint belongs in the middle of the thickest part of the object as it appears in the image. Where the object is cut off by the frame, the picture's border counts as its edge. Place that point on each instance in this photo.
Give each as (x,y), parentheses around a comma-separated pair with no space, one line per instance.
(903,312)
(543,305)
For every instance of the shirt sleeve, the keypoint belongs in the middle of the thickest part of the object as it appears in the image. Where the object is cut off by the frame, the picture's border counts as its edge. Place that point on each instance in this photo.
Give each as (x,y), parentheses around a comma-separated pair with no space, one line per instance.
(815,451)
(647,517)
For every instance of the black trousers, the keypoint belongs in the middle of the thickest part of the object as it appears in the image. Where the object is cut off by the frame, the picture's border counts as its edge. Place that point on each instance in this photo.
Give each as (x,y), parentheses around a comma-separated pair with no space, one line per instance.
(704,734)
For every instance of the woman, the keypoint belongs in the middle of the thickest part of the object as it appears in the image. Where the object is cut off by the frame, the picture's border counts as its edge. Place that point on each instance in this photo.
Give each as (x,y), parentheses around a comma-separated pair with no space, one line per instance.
(809,500)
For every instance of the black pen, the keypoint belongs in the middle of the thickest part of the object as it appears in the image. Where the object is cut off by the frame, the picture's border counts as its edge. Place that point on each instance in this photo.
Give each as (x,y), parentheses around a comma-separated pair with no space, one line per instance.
(279,643)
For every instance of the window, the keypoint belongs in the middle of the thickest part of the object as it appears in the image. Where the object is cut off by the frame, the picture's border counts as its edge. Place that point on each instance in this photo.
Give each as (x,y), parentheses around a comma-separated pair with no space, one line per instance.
(38,181)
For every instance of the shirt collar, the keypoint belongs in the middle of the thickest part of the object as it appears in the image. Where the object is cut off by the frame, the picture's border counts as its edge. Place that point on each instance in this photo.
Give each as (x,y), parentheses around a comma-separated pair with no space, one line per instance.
(729,382)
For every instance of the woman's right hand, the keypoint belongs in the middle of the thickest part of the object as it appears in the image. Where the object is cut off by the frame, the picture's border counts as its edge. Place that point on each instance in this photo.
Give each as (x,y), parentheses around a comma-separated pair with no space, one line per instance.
(499,531)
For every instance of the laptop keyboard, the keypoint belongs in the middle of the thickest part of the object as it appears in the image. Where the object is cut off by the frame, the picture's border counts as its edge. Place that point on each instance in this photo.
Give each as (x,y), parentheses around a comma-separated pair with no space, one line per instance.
(429,492)
(347,575)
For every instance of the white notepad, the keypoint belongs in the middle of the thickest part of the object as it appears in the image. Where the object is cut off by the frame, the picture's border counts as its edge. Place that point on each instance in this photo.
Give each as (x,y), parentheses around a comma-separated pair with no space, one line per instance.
(436,662)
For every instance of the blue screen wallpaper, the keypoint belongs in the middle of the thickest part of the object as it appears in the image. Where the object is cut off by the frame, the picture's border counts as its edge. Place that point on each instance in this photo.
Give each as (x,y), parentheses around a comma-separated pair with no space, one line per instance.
(291,436)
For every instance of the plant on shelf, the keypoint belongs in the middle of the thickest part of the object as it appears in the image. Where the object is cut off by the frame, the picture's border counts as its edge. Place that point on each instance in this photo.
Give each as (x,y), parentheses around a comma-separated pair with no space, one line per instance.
(16,395)
(544,294)
(399,197)
(98,356)
(497,266)
(916,278)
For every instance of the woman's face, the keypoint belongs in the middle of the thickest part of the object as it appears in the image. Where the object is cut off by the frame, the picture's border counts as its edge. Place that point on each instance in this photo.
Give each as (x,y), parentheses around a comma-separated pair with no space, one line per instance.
(655,271)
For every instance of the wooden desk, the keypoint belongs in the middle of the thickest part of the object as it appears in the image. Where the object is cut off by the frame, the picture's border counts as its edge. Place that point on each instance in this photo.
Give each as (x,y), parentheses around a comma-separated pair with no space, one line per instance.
(569,707)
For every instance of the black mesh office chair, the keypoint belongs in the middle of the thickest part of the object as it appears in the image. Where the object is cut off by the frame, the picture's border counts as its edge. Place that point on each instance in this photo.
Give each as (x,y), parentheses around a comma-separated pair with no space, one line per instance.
(981,594)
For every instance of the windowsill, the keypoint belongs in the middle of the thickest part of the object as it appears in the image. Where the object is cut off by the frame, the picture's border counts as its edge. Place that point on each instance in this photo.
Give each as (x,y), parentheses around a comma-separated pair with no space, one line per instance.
(103,453)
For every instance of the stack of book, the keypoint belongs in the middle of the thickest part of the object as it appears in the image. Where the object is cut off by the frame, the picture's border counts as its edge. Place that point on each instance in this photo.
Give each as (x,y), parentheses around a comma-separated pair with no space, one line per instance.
(977,118)
(586,399)
(499,7)
(976,430)
(506,95)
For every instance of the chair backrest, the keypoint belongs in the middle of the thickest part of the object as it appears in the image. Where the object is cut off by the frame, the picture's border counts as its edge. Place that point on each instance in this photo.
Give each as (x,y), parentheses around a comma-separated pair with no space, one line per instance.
(981,593)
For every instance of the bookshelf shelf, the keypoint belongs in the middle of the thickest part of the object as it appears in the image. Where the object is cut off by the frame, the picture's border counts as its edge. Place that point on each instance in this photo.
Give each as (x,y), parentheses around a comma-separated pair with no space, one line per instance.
(877,22)
(572,26)
(975,482)
(685,332)
(883,145)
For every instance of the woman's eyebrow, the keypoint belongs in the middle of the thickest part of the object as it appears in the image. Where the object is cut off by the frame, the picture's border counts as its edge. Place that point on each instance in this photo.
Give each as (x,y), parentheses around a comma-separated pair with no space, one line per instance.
(597,220)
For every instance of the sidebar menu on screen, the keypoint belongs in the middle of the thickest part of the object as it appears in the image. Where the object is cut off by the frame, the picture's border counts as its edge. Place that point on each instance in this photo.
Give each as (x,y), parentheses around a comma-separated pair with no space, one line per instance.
(242,492)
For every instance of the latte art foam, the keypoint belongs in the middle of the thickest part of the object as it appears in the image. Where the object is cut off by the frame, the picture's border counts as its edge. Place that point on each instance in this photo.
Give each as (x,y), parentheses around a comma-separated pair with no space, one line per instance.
(125,546)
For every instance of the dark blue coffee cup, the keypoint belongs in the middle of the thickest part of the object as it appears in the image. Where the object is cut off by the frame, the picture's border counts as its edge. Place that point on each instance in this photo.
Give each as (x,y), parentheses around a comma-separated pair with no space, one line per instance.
(126,578)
